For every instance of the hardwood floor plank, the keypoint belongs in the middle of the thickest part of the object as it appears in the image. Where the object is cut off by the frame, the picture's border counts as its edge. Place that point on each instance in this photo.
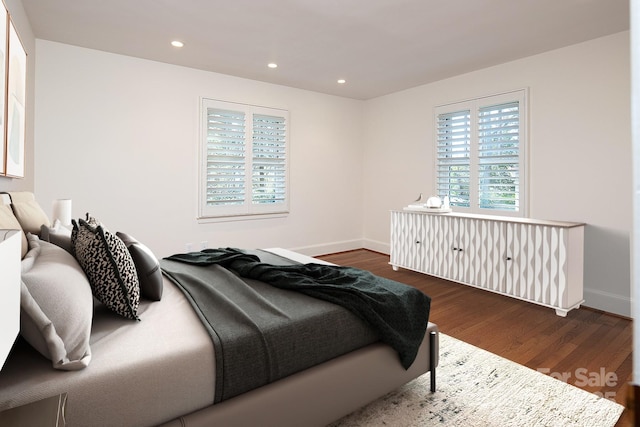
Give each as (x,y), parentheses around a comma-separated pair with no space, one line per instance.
(581,346)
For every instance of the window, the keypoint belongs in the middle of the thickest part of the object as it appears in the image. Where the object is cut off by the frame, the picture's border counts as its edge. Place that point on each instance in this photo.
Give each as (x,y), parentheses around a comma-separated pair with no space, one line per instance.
(244,160)
(481,151)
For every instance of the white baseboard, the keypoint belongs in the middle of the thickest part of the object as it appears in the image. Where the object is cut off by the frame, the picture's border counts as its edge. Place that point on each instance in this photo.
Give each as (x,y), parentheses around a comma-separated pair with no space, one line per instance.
(344,246)
(605,301)
(374,245)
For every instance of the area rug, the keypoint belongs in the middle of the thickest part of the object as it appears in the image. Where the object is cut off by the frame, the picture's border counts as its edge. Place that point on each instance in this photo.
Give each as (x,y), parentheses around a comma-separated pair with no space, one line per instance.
(477,388)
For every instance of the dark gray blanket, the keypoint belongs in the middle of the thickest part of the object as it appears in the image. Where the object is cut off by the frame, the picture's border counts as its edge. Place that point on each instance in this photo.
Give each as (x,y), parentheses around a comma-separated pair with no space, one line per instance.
(262,333)
(398,313)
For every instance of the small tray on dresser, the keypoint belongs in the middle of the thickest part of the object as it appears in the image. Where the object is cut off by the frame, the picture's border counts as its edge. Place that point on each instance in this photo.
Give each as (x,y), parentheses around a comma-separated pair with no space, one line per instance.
(421,208)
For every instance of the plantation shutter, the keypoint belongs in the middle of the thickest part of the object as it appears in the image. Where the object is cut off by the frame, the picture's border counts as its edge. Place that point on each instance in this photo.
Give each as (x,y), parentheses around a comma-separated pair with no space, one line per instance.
(269,174)
(244,160)
(453,176)
(226,154)
(499,156)
(481,154)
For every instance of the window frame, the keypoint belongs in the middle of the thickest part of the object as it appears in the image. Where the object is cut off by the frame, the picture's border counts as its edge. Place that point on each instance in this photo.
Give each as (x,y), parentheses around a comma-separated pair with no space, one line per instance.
(474,106)
(247,210)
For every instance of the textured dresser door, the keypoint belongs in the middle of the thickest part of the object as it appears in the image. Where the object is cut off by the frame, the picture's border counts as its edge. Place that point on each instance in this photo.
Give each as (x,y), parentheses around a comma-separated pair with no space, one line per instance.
(459,248)
(408,246)
(544,264)
(486,253)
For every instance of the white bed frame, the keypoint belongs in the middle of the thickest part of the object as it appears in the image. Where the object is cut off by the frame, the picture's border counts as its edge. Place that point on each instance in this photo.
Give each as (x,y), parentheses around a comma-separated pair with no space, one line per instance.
(322,394)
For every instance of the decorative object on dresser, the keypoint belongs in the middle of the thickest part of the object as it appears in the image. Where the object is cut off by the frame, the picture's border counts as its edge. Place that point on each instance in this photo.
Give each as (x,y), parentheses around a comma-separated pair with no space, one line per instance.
(10,243)
(532,260)
(434,204)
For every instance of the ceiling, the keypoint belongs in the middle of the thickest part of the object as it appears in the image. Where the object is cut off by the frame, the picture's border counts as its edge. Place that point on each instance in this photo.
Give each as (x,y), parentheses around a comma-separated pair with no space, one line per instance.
(377,46)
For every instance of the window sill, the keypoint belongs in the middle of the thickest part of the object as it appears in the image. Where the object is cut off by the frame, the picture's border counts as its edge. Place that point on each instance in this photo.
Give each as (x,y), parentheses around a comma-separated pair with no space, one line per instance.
(233,218)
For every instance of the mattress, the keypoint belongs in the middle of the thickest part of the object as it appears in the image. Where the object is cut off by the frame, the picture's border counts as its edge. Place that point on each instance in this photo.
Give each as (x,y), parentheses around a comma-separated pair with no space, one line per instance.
(150,371)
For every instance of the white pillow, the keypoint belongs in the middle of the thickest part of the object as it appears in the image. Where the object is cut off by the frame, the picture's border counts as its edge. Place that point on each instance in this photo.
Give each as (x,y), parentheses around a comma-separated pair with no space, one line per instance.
(30,215)
(56,305)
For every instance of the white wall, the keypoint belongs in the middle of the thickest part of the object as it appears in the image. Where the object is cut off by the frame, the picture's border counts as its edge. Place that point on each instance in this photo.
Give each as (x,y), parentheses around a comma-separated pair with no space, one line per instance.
(579,151)
(119,136)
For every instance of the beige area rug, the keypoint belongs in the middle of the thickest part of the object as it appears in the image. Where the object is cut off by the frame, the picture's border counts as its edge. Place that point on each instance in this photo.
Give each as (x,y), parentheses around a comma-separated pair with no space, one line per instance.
(477,388)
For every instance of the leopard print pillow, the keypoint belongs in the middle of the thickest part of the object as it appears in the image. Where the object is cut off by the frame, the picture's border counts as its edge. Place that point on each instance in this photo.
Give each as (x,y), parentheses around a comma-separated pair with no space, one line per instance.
(108,266)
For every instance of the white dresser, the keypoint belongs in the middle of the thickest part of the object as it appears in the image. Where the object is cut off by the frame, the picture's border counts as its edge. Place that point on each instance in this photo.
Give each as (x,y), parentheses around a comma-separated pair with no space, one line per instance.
(532,260)
(10,244)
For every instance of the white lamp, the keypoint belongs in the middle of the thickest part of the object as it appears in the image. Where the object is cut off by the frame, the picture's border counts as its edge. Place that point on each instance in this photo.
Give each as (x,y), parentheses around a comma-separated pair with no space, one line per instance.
(62,211)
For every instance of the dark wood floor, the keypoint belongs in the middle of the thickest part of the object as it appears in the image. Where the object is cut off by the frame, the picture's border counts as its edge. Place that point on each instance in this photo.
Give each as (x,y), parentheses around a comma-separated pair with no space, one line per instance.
(589,349)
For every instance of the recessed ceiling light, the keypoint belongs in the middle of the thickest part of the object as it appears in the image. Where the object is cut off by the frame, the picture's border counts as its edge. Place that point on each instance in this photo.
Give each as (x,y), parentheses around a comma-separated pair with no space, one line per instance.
(272,65)
(177,43)
(342,81)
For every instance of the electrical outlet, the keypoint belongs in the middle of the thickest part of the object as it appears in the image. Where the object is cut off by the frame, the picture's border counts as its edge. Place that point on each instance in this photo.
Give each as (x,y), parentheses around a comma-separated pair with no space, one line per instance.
(204,244)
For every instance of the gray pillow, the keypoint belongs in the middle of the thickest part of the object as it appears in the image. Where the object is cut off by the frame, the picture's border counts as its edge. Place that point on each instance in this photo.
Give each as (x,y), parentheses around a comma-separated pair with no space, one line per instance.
(56,234)
(56,305)
(147,266)
(108,265)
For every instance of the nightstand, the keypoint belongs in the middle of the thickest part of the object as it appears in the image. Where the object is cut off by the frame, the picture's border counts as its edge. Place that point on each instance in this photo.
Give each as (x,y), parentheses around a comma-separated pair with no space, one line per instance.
(47,412)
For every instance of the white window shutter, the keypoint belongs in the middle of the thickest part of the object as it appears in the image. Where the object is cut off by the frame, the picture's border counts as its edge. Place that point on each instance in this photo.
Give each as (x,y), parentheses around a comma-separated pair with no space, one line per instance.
(226,154)
(499,157)
(453,157)
(244,160)
(269,168)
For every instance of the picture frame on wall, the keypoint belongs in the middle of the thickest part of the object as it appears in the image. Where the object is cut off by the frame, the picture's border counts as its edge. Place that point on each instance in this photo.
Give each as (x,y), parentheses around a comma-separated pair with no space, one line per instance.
(16,100)
(4,18)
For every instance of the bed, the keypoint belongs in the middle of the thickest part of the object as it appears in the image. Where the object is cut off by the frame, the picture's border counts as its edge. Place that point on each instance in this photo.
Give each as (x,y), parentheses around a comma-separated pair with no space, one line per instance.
(161,368)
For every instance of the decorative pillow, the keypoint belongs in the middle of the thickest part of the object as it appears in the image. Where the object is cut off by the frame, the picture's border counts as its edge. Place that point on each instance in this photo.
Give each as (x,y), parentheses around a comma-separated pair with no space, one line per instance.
(30,215)
(21,196)
(147,266)
(10,222)
(108,265)
(56,234)
(56,306)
